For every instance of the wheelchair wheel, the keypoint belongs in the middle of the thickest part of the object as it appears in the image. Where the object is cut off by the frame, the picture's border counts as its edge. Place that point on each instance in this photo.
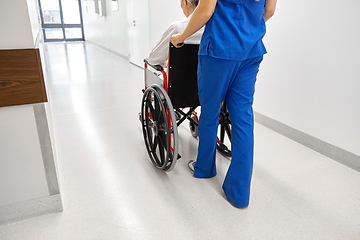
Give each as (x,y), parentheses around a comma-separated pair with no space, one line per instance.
(159,128)
(193,127)
(224,132)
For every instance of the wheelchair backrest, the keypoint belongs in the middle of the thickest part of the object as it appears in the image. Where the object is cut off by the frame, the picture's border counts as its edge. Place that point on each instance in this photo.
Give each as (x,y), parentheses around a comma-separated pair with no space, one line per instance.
(182,74)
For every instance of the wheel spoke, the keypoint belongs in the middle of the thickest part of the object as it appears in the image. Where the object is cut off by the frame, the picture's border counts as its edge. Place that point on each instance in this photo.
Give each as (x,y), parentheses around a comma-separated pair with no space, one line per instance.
(153,147)
(228,131)
(157,109)
(152,111)
(160,117)
(156,158)
(149,135)
(162,152)
(165,130)
(222,133)
(148,126)
(149,106)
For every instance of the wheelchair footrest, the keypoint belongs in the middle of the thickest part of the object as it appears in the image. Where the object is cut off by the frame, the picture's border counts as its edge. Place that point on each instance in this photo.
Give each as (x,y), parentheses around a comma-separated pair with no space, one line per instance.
(224,150)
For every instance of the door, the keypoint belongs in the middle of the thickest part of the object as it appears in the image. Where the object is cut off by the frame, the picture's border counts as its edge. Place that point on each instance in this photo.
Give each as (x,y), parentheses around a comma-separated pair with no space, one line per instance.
(138,22)
(61,20)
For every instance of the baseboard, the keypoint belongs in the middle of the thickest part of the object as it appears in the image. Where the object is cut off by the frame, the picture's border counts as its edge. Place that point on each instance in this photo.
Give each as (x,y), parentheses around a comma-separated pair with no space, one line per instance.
(340,155)
(46,148)
(109,50)
(33,208)
(136,65)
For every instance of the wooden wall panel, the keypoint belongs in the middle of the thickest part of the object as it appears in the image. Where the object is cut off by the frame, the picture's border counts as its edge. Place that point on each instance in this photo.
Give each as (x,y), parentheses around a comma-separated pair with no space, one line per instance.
(21,77)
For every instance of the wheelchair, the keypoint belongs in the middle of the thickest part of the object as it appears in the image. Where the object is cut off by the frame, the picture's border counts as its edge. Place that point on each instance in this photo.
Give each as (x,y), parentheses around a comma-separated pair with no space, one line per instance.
(168,100)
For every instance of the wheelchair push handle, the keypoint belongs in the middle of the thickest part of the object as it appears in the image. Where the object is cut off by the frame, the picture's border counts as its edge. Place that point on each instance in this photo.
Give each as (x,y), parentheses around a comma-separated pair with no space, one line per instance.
(156,67)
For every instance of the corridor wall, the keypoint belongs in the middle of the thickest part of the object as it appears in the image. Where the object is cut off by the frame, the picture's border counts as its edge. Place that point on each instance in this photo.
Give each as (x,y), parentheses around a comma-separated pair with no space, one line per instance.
(109,31)
(310,79)
(28,177)
(162,14)
(113,31)
(19,29)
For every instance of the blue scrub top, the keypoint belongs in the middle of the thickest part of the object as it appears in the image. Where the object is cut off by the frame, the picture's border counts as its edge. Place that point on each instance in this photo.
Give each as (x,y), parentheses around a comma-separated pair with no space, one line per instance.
(235,30)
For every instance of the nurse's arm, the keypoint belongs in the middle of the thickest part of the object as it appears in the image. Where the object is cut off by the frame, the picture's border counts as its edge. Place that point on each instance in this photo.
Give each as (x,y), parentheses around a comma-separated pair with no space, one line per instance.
(199,18)
(269,9)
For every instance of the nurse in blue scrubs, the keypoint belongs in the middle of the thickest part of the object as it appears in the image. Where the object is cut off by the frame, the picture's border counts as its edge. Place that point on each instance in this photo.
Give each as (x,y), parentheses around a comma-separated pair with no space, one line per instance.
(230,53)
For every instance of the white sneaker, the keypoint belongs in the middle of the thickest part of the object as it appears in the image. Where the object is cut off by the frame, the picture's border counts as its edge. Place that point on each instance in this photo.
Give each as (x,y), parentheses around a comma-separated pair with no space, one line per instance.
(191,165)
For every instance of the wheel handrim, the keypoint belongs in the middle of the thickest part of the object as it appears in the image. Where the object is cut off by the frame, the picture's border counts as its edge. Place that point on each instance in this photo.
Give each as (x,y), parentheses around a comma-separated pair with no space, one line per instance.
(158,130)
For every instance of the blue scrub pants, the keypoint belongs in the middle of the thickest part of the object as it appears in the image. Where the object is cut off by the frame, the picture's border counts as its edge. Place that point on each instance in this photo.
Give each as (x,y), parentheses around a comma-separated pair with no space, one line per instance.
(234,80)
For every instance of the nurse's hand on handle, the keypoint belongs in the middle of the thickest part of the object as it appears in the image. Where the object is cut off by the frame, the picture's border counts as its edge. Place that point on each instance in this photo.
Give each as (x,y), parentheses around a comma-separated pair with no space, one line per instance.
(177,40)
(199,18)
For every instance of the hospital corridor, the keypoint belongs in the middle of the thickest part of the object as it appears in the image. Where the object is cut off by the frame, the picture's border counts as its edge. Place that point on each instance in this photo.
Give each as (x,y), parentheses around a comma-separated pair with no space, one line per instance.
(111,190)
(74,163)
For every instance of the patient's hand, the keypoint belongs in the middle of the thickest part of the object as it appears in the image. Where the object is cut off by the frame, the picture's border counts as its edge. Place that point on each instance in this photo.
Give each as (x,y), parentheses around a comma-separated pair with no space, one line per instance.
(177,40)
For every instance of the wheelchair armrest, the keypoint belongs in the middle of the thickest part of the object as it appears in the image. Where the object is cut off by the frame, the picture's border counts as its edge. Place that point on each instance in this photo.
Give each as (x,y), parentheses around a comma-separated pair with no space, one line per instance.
(156,67)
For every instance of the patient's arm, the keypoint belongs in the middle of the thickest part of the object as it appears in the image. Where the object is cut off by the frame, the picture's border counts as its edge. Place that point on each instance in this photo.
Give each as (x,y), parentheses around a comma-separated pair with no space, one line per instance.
(156,67)
(159,54)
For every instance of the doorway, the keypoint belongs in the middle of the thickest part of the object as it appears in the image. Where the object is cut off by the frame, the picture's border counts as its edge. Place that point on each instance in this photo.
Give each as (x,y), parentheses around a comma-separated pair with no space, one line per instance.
(138,26)
(61,20)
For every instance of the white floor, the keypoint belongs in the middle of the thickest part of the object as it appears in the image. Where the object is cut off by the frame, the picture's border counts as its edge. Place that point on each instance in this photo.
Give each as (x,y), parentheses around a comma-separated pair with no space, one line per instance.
(110,189)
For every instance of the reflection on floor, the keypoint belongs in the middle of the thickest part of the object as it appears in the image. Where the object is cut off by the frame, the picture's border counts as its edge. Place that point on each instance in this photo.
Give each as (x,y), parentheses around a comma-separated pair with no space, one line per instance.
(110,189)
